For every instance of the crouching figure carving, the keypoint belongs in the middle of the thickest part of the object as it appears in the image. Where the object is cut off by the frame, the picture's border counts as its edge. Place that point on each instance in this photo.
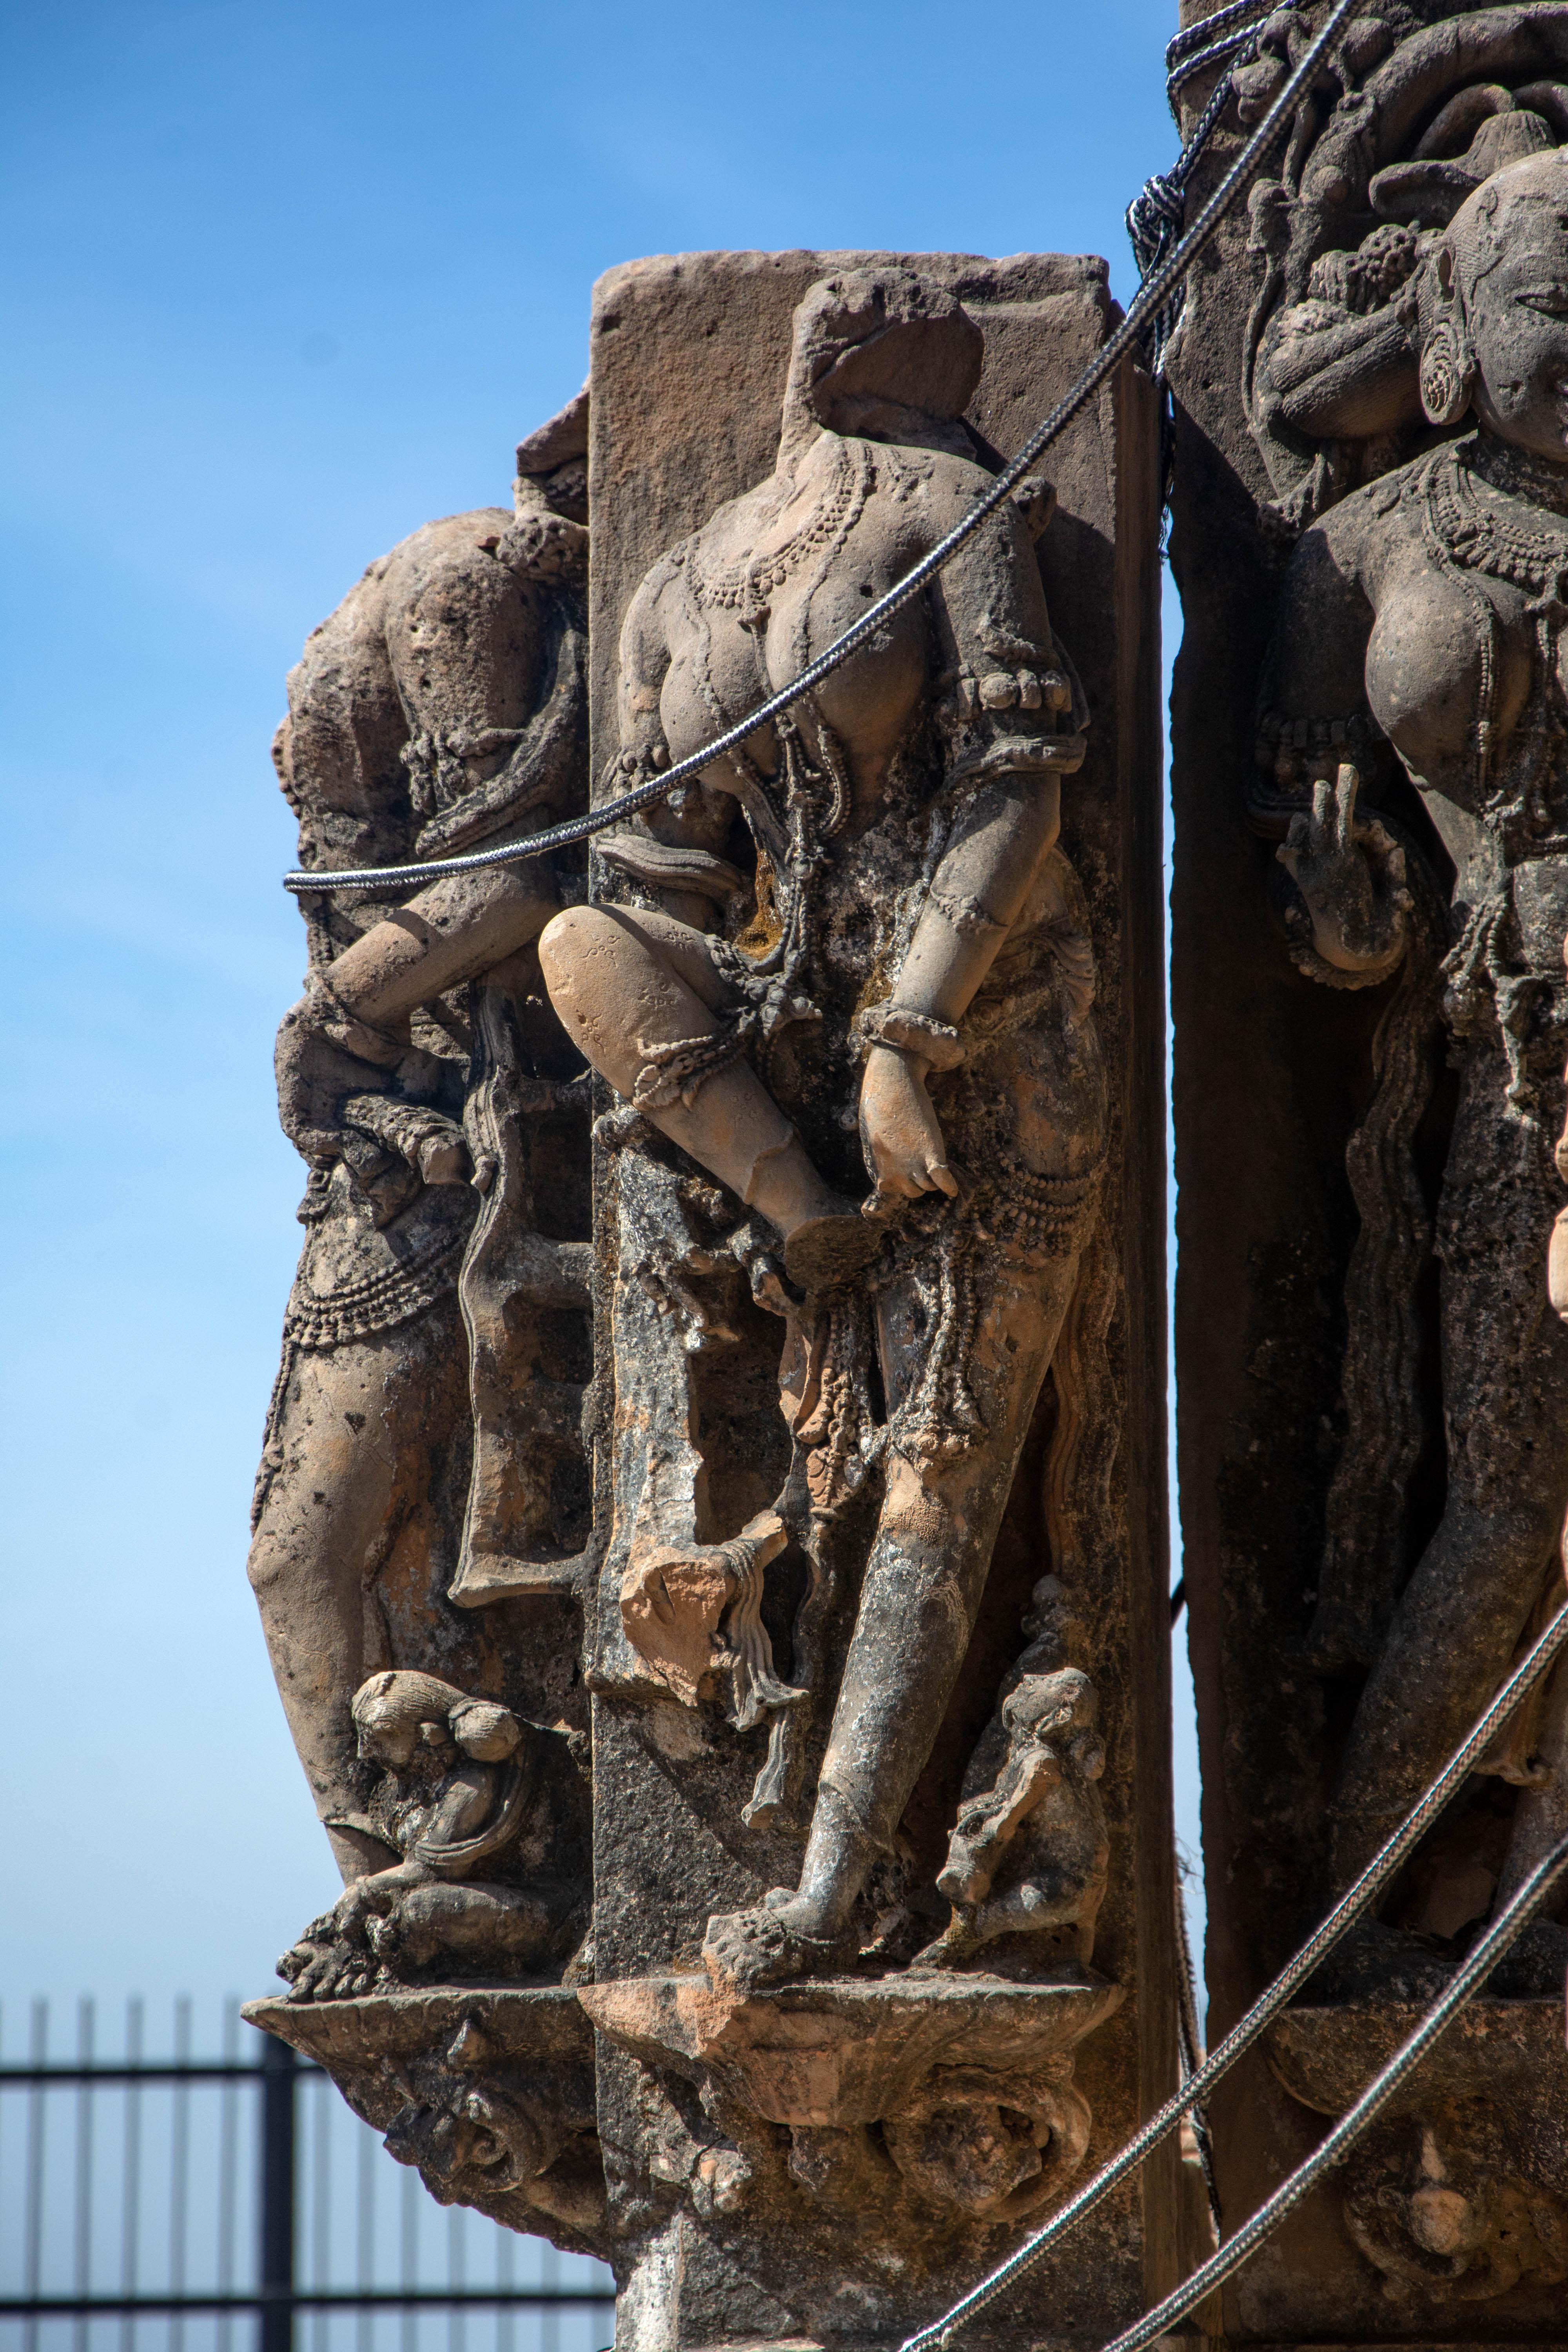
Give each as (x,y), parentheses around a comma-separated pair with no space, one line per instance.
(1029,1856)
(457,1784)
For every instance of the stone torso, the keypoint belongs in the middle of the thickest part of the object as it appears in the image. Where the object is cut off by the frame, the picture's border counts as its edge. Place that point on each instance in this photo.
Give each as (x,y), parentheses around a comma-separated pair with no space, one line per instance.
(1464,661)
(781,573)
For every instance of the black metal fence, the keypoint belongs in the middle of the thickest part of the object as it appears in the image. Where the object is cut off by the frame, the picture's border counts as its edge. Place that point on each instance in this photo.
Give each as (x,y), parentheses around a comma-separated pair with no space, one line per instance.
(161,2199)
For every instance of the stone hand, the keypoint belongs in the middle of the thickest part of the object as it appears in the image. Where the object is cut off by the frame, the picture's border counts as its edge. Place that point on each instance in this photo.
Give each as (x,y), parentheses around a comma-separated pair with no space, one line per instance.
(899,1132)
(1330,856)
(315,1075)
(445,1159)
(335,1102)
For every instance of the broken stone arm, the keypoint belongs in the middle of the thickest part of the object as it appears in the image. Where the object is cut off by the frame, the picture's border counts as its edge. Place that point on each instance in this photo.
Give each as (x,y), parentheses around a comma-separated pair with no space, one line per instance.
(1353,379)
(980,889)
(349,1033)
(449,933)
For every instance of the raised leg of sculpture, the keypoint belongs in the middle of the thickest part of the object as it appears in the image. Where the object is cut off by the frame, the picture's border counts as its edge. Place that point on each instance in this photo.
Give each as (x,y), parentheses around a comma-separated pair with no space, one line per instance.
(1505,1377)
(629,987)
(918,1602)
(355,1433)
(494,1923)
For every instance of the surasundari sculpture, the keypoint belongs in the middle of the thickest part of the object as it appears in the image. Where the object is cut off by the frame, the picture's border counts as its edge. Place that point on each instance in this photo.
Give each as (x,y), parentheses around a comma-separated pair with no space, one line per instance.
(1426,609)
(909,984)
(442,707)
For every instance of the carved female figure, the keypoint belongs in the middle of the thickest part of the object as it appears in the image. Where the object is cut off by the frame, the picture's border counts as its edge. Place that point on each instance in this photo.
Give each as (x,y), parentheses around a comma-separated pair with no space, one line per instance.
(455,1785)
(439,709)
(910,975)
(1429,609)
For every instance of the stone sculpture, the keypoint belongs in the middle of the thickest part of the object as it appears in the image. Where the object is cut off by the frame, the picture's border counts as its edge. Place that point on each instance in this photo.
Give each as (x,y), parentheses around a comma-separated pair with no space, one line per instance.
(1372,521)
(919,993)
(458,1779)
(1040,1828)
(724,1892)
(1426,605)
(441,707)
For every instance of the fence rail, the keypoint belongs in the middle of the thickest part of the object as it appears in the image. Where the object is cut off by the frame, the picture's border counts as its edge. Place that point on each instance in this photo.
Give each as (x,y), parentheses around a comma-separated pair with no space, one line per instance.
(246,2216)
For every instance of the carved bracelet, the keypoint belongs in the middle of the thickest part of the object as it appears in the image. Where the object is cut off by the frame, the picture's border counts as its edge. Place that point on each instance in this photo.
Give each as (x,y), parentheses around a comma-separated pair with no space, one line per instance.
(910,1033)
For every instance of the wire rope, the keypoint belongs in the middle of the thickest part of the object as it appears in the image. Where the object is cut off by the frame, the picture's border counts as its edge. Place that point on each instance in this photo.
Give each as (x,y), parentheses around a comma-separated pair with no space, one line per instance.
(1352,1906)
(1122,340)
(1504,1932)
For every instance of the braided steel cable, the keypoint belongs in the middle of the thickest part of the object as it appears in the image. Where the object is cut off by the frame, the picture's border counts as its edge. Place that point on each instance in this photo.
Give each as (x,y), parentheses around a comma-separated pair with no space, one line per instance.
(1505,1931)
(1193,66)
(1149,298)
(1156,214)
(1209,28)
(1352,1906)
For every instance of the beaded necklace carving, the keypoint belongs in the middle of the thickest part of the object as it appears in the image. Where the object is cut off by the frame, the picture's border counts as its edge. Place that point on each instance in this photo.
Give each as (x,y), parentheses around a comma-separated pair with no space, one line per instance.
(751,582)
(1483,536)
(1464,535)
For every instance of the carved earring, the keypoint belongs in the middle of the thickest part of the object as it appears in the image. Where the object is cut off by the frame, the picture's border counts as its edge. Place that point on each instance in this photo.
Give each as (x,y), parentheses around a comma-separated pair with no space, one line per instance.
(1447,374)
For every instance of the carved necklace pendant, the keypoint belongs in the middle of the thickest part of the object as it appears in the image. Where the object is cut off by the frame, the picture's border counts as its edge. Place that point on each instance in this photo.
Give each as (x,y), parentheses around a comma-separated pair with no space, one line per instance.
(746,585)
(1482,537)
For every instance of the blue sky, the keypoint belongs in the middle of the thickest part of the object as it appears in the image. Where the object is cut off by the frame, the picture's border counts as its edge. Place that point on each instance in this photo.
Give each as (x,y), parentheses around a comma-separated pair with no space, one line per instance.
(282,281)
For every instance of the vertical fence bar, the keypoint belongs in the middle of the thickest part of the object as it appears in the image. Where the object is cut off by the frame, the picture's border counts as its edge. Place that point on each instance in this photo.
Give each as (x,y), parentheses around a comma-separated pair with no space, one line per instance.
(131,2173)
(456,2275)
(506,2276)
(85,2035)
(33,2226)
(409,2256)
(365,2267)
(179,2169)
(276,2284)
(549,2319)
(227,2168)
(321,2204)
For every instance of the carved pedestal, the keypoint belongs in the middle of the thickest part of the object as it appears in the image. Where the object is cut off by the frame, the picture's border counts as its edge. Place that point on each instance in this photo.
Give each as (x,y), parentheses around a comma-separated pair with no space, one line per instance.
(489,2093)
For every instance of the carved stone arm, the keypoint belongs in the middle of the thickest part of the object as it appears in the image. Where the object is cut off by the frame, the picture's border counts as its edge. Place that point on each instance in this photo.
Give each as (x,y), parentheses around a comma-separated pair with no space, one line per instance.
(978,891)
(449,933)
(980,887)
(1354,377)
(349,1077)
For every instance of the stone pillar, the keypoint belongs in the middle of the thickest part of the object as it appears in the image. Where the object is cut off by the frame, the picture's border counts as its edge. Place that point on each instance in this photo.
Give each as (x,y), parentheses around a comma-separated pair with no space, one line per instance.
(1371,1380)
(862,1659)
(834,2157)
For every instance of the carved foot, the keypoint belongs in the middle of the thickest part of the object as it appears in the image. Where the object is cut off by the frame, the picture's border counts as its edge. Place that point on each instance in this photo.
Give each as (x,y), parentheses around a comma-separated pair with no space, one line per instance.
(958,1942)
(829,1250)
(745,1950)
(328,1968)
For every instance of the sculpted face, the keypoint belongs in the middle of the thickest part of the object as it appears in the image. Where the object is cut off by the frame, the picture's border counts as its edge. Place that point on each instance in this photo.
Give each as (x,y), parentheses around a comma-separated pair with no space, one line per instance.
(1507,260)
(385,1737)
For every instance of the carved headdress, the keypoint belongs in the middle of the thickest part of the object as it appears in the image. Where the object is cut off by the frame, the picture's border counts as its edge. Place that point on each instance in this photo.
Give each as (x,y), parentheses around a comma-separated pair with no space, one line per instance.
(1480,132)
(407,1701)
(1350,230)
